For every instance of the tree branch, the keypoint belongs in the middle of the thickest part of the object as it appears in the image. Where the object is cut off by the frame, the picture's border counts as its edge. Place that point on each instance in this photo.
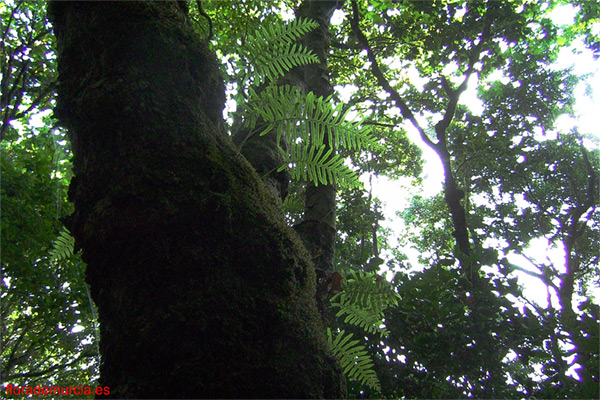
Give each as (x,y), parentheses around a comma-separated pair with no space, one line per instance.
(383,82)
(545,279)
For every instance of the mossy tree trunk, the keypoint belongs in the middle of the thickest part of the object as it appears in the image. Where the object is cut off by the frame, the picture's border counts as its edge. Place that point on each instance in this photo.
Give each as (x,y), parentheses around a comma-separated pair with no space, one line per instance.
(202,290)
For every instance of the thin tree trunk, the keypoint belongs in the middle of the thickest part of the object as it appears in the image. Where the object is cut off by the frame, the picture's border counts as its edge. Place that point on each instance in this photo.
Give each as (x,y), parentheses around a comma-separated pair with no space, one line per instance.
(202,290)
(317,228)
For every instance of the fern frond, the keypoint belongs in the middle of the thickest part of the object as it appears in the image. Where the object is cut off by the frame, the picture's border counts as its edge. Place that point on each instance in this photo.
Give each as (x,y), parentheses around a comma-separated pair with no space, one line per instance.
(63,246)
(281,34)
(293,203)
(304,121)
(276,64)
(274,105)
(366,319)
(363,301)
(354,359)
(308,116)
(367,290)
(272,51)
(322,119)
(310,163)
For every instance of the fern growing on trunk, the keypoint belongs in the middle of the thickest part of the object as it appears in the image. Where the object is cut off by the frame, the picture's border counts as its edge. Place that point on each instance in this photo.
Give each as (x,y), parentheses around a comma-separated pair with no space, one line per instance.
(302,121)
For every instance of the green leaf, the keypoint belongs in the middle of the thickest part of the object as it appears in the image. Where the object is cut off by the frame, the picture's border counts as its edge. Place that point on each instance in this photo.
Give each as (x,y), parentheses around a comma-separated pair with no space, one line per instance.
(354,359)
(63,246)
(272,52)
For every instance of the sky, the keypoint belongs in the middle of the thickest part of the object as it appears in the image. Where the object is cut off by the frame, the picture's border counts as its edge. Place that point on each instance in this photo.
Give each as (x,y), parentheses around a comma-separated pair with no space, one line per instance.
(396,194)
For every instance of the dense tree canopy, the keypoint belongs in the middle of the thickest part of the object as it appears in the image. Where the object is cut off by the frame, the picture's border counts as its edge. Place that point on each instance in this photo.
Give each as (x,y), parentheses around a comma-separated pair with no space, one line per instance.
(323,97)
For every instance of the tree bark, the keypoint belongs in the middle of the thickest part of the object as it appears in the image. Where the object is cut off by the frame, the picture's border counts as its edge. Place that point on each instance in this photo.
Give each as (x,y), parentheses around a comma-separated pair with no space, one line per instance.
(317,228)
(202,290)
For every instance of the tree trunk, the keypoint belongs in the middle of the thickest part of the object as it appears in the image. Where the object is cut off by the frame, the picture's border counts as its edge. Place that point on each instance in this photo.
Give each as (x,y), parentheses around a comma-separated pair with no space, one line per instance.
(202,290)
(317,228)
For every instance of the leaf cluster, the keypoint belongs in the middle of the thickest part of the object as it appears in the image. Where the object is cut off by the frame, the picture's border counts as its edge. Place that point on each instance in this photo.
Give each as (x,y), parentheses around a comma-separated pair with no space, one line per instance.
(363,299)
(27,66)
(47,329)
(306,123)
(63,246)
(354,359)
(272,50)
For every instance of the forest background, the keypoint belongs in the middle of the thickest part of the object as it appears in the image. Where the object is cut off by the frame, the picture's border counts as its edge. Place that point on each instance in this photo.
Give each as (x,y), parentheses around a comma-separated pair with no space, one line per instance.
(519,195)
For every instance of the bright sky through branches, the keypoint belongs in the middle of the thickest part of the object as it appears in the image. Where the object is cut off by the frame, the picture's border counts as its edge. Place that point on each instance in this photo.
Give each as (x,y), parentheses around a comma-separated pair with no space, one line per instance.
(396,195)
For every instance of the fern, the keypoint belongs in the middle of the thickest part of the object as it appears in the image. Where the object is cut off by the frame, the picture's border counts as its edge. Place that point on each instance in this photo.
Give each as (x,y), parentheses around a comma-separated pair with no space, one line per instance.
(272,51)
(321,119)
(304,121)
(354,359)
(310,163)
(63,247)
(275,104)
(368,320)
(307,115)
(363,301)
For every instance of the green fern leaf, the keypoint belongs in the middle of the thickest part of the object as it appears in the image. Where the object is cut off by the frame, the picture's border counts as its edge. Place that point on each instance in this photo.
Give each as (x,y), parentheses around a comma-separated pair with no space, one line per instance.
(363,301)
(272,52)
(313,164)
(354,359)
(304,121)
(63,246)
(293,203)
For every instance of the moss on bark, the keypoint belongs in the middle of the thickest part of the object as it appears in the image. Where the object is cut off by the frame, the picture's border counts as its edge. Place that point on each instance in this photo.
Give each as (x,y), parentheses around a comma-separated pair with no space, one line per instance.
(202,289)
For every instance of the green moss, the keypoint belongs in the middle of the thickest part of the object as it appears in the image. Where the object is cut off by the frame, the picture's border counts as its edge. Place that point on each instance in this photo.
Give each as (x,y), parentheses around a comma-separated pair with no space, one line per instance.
(202,289)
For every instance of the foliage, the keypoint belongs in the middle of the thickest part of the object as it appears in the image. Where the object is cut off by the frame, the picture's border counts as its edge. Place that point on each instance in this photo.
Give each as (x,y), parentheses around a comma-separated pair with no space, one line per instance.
(272,50)
(46,322)
(354,359)
(47,328)
(431,50)
(63,247)
(427,226)
(305,122)
(359,232)
(526,183)
(27,69)
(363,299)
